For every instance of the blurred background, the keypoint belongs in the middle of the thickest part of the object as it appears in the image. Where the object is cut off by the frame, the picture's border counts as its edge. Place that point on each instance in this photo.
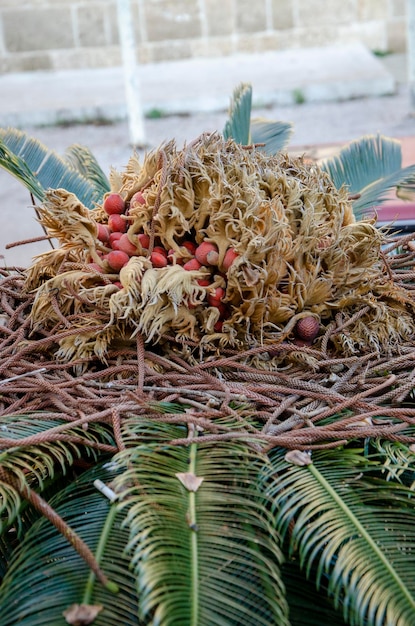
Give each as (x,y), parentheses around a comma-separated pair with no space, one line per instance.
(119,75)
(73,34)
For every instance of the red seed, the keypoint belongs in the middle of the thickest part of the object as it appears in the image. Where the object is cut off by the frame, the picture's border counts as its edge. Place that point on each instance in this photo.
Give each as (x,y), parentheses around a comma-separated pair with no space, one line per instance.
(190,246)
(144,240)
(117,259)
(160,250)
(137,199)
(203,282)
(193,264)
(113,237)
(126,246)
(218,326)
(307,328)
(158,259)
(215,298)
(114,204)
(229,258)
(202,252)
(117,224)
(103,233)
(117,284)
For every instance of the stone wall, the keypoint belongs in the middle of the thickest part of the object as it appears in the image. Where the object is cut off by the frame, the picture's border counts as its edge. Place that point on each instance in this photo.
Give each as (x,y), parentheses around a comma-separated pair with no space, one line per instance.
(68,34)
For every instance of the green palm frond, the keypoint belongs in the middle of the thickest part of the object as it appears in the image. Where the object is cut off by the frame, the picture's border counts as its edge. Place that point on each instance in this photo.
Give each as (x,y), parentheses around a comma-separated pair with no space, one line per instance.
(82,159)
(202,553)
(357,533)
(237,126)
(10,506)
(372,167)
(20,170)
(240,127)
(38,465)
(275,135)
(40,168)
(396,459)
(46,576)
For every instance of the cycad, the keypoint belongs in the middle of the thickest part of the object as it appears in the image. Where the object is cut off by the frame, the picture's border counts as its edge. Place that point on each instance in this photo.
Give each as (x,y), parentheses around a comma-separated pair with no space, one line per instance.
(208,521)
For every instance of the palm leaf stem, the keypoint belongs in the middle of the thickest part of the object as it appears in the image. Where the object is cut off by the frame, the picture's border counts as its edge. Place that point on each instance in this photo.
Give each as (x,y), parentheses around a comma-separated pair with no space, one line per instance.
(193,540)
(99,553)
(56,520)
(360,529)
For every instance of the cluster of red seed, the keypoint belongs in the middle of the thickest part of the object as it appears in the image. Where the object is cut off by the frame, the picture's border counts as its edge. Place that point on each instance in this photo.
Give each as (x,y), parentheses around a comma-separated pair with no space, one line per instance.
(119,246)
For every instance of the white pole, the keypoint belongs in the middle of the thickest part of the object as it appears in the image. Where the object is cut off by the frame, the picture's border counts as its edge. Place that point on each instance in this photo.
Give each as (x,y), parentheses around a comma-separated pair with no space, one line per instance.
(411,51)
(131,83)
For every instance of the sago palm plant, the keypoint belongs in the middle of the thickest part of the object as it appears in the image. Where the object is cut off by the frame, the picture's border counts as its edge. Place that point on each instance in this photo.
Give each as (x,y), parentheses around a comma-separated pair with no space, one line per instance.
(250,474)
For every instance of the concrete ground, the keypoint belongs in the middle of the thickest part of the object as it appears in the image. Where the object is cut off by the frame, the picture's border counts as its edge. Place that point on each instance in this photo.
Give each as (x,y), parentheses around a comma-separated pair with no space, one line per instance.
(320,128)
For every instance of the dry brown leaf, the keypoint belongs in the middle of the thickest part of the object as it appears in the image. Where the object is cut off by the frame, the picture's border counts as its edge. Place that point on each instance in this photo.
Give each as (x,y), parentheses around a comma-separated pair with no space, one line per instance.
(361,423)
(298,457)
(189,480)
(82,614)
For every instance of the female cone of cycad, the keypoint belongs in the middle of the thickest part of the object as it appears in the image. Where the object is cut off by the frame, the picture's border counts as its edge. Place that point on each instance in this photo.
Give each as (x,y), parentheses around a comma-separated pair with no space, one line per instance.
(224,246)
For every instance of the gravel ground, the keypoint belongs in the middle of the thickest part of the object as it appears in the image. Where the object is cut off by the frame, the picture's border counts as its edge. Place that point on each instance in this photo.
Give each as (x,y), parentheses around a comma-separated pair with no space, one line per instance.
(315,127)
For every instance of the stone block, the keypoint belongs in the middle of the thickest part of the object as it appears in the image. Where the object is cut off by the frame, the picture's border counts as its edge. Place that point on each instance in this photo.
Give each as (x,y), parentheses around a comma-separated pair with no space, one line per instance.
(398,8)
(371,34)
(285,39)
(220,46)
(25,62)
(368,10)
(198,48)
(172,19)
(321,12)
(38,29)
(282,14)
(144,53)
(249,18)
(170,51)
(261,42)
(80,58)
(310,37)
(220,17)
(396,35)
(246,44)
(91,25)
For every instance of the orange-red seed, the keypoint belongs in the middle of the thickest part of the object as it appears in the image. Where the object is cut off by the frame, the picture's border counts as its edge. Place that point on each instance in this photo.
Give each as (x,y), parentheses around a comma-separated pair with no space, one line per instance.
(114,204)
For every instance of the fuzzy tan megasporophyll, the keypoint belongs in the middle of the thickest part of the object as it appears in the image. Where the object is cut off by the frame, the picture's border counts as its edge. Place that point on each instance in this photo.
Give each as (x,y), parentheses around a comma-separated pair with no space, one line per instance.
(283,243)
